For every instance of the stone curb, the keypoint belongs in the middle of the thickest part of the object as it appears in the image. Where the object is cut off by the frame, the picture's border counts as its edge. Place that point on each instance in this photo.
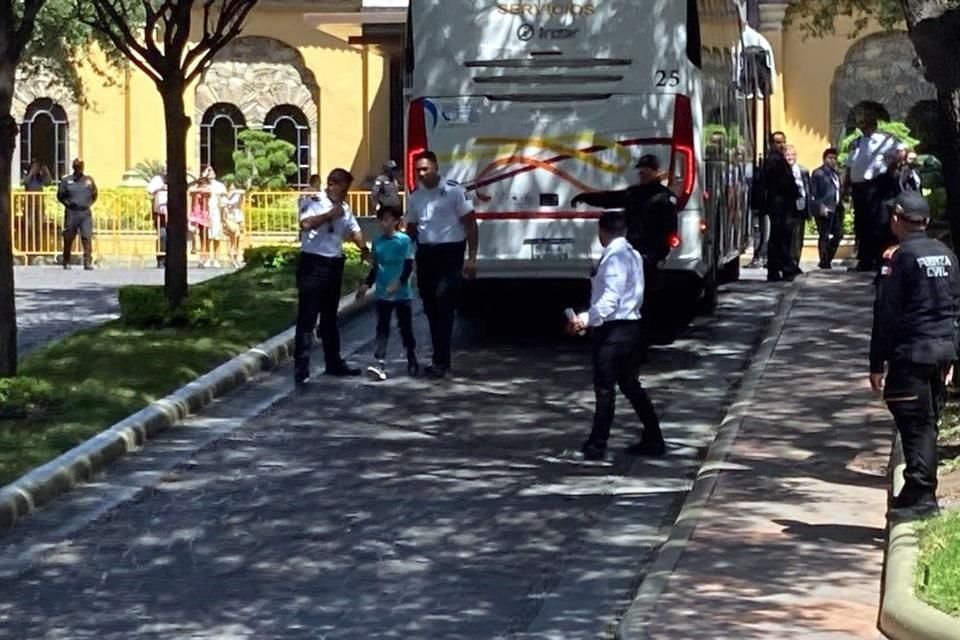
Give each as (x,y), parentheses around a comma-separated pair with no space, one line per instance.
(79,464)
(903,616)
(633,625)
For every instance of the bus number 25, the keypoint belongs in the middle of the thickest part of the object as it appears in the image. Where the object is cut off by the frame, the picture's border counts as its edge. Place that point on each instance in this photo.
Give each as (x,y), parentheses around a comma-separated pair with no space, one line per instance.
(667,78)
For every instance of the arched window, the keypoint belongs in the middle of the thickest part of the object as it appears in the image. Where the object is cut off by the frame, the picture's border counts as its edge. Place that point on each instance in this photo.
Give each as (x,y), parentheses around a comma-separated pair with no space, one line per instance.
(43,137)
(288,123)
(219,128)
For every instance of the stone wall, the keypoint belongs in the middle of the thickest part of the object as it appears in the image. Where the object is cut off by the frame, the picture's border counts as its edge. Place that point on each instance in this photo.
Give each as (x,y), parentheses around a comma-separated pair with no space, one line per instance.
(256,74)
(877,68)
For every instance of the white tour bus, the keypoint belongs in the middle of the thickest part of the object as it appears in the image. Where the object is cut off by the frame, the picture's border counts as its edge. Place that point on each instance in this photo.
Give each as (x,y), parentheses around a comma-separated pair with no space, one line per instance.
(530,103)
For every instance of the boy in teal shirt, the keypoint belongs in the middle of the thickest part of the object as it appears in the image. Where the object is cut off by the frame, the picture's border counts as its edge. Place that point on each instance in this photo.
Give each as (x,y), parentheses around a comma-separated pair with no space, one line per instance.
(390,275)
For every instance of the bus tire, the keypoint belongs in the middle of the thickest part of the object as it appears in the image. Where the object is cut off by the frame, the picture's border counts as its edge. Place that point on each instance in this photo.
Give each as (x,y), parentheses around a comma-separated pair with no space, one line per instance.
(730,271)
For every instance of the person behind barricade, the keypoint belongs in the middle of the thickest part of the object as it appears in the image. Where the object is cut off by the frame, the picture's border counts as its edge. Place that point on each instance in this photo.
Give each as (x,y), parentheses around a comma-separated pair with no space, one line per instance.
(392,266)
(233,223)
(616,297)
(825,196)
(386,188)
(78,193)
(199,218)
(216,201)
(157,189)
(913,343)
(441,220)
(325,223)
(33,222)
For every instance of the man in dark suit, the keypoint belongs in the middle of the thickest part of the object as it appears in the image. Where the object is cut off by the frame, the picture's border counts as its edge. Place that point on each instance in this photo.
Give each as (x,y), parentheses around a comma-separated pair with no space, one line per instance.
(825,198)
(779,201)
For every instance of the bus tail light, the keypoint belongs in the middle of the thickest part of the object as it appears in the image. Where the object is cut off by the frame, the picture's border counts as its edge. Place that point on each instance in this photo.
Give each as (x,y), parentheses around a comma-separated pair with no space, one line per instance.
(416,139)
(683,163)
(673,241)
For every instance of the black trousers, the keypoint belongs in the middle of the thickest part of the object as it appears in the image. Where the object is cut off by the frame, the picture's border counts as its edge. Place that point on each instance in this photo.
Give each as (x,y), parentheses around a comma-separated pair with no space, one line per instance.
(75,222)
(439,279)
(781,257)
(318,293)
(385,309)
(915,395)
(830,232)
(867,223)
(616,362)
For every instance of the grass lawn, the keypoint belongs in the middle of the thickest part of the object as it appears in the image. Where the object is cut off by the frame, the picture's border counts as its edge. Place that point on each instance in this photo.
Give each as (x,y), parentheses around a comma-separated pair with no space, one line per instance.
(938,568)
(109,372)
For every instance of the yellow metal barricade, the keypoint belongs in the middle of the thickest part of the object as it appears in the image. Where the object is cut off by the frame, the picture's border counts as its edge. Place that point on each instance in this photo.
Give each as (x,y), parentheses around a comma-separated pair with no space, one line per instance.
(124,227)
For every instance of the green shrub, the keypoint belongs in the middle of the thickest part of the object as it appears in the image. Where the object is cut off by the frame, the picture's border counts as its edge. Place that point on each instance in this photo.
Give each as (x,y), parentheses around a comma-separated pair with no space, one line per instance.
(282,256)
(24,397)
(277,256)
(146,307)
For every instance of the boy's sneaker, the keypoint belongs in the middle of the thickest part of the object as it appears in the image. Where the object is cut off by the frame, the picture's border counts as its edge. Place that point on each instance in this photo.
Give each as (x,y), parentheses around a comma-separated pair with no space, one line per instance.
(377,372)
(413,367)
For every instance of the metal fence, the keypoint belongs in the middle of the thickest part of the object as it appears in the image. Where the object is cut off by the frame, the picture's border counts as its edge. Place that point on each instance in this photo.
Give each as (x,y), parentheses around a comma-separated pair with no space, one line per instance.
(124,227)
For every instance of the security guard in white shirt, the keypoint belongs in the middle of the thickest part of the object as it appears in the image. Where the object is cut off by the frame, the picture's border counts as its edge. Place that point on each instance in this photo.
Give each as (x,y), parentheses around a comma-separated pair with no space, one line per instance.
(324,224)
(441,220)
(616,296)
(866,166)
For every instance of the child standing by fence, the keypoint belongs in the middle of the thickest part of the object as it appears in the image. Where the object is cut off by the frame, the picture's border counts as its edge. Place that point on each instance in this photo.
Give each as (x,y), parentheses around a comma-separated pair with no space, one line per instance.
(392,266)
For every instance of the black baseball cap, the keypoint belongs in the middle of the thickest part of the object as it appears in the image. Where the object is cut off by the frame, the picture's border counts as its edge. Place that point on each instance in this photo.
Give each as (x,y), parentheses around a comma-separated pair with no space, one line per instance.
(912,206)
(649,161)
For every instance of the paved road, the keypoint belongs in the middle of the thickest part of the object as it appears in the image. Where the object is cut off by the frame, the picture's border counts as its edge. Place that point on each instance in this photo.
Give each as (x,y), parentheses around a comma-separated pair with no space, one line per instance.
(407,509)
(52,303)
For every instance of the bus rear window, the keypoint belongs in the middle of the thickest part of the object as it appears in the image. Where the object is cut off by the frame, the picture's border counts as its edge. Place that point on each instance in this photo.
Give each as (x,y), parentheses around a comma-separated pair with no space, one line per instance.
(693,34)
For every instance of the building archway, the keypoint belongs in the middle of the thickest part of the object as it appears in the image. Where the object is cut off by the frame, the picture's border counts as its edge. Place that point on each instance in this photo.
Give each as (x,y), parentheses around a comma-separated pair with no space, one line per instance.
(289,123)
(258,74)
(44,137)
(36,89)
(878,68)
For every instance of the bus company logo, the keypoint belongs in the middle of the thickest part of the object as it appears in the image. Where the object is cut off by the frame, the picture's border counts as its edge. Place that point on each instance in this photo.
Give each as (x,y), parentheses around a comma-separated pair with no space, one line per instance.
(525,32)
(547,9)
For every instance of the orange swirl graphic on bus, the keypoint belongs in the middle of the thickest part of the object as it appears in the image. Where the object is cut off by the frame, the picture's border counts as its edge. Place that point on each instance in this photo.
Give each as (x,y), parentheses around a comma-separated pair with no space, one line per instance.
(555,145)
(530,162)
(547,144)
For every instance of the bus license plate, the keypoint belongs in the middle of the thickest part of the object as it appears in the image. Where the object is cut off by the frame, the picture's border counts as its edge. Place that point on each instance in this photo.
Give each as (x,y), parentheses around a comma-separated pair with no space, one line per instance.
(550,248)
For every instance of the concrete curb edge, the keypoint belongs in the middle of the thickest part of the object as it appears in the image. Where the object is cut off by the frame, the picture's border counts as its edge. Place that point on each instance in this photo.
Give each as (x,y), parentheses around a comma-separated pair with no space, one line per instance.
(46,482)
(634,622)
(903,616)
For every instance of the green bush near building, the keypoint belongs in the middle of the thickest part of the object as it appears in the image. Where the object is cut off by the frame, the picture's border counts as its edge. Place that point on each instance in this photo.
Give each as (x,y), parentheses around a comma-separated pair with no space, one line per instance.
(74,388)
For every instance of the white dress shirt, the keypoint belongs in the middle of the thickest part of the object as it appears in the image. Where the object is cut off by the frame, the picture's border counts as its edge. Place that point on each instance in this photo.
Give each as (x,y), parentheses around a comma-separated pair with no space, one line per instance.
(437,212)
(868,157)
(327,239)
(801,187)
(616,289)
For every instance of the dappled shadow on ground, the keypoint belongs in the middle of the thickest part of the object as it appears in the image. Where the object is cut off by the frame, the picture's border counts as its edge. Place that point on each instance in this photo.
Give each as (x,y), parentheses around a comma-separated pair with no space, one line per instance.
(791,543)
(407,509)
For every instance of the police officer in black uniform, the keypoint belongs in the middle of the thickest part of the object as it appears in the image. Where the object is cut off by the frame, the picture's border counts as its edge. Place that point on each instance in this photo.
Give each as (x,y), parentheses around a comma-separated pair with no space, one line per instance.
(77,193)
(651,214)
(650,209)
(915,339)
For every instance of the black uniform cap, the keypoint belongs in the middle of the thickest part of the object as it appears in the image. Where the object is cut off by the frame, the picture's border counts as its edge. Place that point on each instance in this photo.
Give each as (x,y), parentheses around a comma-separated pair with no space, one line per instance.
(912,206)
(649,161)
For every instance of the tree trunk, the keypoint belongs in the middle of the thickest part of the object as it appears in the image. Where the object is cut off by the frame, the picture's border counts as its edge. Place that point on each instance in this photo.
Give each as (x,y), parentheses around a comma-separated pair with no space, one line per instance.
(177,124)
(8,300)
(949,100)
